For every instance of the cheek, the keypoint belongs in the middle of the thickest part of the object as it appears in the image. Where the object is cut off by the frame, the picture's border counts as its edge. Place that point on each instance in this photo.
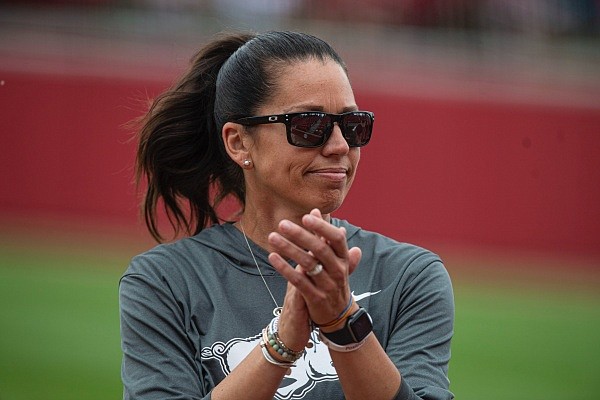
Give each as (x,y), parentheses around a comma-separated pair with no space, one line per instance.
(281,163)
(296,166)
(270,147)
(354,159)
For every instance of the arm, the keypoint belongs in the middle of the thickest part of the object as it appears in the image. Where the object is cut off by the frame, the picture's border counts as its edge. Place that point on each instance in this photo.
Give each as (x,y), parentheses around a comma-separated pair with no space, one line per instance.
(158,357)
(370,371)
(366,372)
(256,378)
(420,336)
(419,344)
(158,360)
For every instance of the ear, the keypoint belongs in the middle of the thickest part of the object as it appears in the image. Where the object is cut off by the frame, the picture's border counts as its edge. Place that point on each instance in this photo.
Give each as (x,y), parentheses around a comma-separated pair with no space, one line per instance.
(237,143)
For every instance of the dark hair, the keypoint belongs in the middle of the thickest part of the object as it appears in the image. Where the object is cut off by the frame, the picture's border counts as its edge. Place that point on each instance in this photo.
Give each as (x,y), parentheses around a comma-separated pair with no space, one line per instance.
(181,154)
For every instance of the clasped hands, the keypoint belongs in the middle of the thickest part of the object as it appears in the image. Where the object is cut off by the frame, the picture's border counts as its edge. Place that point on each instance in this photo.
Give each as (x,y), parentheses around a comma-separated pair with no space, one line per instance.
(312,295)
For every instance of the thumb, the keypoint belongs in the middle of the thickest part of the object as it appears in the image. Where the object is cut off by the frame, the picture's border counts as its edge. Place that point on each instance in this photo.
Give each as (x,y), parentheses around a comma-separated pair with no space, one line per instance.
(354,256)
(316,213)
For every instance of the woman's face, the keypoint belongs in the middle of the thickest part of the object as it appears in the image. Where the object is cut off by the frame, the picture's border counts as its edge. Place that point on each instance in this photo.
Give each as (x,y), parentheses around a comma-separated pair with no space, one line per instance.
(300,179)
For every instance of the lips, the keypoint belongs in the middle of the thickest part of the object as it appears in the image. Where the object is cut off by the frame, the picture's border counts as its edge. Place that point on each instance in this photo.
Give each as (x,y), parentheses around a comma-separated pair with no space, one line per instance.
(333,173)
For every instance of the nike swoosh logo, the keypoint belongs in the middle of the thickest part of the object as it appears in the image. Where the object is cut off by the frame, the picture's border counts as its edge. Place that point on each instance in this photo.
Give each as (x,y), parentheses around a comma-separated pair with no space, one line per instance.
(359,297)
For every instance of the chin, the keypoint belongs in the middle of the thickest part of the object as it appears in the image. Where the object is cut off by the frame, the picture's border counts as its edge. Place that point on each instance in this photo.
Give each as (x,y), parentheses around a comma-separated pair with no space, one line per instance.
(329,202)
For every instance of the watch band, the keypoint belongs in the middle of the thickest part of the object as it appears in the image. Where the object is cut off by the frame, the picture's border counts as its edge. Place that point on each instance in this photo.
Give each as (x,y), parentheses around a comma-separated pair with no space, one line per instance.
(357,328)
(342,348)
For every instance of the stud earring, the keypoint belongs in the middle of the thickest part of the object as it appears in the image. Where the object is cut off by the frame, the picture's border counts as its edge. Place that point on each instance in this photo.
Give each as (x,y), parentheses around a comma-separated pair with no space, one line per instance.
(247,163)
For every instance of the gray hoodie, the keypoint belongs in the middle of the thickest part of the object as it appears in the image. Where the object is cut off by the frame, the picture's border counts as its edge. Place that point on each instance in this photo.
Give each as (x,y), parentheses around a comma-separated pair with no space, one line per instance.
(192,310)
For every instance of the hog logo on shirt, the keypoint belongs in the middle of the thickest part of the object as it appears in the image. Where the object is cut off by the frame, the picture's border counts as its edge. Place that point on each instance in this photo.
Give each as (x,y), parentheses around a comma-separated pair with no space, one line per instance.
(313,367)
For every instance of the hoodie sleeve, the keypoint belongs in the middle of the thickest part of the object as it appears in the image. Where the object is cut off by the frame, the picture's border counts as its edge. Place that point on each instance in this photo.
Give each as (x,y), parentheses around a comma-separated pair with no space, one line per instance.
(158,360)
(420,340)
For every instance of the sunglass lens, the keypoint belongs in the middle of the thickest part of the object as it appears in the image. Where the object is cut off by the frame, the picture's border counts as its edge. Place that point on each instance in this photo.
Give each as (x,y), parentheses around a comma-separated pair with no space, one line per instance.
(357,128)
(309,130)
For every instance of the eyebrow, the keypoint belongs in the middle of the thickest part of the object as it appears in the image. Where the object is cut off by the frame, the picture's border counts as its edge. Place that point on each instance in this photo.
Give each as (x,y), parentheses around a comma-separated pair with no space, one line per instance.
(312,107)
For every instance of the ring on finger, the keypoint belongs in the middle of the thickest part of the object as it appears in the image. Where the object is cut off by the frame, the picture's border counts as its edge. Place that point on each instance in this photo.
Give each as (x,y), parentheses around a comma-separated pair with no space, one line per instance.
(316,270)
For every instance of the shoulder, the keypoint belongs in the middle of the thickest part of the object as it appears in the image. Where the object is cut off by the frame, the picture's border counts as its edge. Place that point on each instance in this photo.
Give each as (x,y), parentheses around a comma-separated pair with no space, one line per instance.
(388,257)
(177,258)
(376,245)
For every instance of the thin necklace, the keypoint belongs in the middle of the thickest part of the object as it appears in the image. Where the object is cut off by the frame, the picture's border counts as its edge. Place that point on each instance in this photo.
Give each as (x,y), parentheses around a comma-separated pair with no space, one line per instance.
(277,309)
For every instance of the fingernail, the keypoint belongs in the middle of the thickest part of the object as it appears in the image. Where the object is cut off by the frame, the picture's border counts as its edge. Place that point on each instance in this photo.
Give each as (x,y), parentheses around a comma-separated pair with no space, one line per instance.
(275,240)
(309,218)
(285,224)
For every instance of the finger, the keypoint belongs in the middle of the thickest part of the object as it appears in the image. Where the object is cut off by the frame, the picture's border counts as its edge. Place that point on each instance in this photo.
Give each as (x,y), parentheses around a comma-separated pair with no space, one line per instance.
(289,249)
(334,236)
(319,306)
(295,276)
(294,322)
(354,255)
(302,245)
(316,212)
(314,271)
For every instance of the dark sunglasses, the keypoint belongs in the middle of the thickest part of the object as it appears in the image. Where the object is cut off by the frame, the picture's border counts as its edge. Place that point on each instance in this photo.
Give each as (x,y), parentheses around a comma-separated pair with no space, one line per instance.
(312,129)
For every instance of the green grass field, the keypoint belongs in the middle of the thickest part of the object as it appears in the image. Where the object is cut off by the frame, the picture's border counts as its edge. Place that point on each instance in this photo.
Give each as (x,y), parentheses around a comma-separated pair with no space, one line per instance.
(59,332)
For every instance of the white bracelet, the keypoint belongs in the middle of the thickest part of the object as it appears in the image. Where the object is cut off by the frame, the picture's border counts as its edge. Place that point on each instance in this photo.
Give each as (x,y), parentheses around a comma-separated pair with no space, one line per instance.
(342,348)
(270,359)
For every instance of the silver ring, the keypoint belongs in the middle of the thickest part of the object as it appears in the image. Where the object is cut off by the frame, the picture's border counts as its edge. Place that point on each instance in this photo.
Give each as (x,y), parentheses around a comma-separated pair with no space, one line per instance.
(316,270)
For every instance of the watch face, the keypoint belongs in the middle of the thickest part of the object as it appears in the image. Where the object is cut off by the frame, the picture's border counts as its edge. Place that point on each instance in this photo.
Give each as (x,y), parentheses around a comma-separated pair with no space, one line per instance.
(361,325)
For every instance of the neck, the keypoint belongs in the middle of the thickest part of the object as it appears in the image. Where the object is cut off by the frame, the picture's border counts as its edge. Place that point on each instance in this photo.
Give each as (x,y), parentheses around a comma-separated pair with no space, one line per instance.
(257,227)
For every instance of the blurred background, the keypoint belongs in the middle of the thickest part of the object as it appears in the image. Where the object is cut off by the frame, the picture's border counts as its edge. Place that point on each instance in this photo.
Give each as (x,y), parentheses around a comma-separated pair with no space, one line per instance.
(486,150)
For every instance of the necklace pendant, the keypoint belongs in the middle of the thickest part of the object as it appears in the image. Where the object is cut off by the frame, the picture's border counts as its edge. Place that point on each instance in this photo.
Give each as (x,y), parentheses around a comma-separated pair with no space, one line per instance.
(277,311)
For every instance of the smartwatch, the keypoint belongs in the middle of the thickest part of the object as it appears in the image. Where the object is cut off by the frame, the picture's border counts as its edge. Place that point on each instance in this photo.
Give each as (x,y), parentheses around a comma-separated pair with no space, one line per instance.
(357,328)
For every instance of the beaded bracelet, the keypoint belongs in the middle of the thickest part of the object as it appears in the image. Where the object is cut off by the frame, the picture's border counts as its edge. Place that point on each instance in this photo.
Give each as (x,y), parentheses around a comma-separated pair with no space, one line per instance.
(271,337)
(278,345)
(343,315)
(271,359)
(283,350)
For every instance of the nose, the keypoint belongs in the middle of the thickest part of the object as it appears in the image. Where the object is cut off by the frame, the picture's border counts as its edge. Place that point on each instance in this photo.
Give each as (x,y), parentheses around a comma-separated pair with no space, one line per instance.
(336,143)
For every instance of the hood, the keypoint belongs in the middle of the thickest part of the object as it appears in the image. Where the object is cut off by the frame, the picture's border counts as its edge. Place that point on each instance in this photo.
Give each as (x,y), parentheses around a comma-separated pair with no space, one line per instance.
(229,241)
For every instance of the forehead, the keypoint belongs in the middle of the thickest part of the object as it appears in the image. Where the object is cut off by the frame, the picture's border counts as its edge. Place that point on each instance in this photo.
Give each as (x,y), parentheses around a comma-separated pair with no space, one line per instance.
(313,82)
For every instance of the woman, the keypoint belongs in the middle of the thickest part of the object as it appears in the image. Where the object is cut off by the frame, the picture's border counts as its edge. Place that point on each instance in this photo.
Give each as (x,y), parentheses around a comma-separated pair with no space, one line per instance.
(286,302)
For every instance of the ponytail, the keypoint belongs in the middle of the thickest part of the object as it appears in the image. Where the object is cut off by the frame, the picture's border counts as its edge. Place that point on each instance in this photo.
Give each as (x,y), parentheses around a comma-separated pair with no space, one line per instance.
(180,153)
